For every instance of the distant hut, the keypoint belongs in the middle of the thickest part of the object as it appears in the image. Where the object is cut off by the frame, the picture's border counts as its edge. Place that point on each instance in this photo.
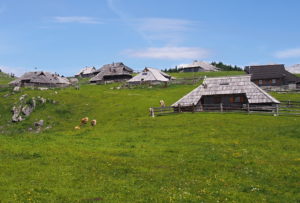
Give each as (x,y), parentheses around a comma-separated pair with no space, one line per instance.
(86,72)
(235,91)
(197,66)
(40,79)
(271,75)
(150,76)
(114,72)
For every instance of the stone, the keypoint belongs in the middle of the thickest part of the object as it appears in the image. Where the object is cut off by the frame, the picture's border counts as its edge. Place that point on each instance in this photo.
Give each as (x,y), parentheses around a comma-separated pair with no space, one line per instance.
(16,89)
(16,114)
(39,123)
(23,97)
(27,110)
(42,88)
(43,100)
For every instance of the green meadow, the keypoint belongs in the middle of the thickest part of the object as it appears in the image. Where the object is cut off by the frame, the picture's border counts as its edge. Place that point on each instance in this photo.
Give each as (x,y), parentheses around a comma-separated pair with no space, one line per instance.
(4,78)
(131,157)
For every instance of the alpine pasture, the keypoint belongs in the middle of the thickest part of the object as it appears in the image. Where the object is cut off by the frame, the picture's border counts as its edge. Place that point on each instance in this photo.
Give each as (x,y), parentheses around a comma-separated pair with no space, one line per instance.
(131,157)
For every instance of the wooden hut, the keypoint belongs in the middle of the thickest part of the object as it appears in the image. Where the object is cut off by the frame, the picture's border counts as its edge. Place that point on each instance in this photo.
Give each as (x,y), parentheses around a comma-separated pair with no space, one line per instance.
(114,72)
(40,79)
(231,92)
(271,75)
(197,66)
(150,76)
(86,72)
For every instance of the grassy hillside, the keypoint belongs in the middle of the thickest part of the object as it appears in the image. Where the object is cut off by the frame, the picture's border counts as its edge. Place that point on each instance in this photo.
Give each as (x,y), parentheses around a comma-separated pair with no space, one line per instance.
(4,78)
(131,157)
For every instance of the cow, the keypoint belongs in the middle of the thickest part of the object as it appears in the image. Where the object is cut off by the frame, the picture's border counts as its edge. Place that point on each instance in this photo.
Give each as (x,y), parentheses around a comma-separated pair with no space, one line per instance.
(162,103)
(93,122)
(84,120)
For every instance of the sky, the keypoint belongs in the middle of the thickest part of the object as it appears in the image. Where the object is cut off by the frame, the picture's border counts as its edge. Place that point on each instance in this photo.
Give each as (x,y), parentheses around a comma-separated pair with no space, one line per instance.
(64,36)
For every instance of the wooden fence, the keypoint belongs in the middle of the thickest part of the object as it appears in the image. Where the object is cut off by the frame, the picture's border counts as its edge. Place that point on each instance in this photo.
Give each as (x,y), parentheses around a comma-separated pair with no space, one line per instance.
(285,108)
(186,80)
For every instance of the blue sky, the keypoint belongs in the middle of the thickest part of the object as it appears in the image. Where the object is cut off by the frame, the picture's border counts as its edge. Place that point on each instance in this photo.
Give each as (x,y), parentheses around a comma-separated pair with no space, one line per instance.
(66,35)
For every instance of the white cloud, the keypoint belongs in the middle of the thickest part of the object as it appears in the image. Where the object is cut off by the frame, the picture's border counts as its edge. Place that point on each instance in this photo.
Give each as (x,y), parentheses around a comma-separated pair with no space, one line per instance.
(76,19)
(18,71)
(172,52)
(170,30)
(289,53)
(163,24)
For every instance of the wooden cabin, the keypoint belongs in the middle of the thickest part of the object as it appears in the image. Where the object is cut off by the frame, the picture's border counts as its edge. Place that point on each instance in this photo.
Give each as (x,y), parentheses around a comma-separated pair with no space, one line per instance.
(232,92)
(40,79)
(197,66)
(114,72)
(271,75)
(87,72)
(150,76)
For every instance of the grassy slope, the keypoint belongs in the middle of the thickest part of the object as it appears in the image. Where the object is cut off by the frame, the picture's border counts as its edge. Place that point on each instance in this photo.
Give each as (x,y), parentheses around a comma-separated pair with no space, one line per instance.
(130,156)
(4,78)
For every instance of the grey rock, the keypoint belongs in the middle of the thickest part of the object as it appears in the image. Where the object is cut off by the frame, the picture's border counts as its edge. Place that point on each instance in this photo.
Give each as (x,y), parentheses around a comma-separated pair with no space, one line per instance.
(27,110)
(43,100)
(39,123)
(16,89)
(16,114)
(23,97)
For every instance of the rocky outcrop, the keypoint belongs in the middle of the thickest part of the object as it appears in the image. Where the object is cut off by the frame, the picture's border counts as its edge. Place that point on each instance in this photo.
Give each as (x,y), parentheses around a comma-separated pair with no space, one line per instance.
(25,106)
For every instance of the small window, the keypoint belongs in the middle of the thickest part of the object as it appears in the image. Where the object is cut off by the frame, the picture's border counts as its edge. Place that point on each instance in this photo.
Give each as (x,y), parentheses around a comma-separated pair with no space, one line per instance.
(260,82)
(237,99)
(144,73)
(224,83)
(273,81)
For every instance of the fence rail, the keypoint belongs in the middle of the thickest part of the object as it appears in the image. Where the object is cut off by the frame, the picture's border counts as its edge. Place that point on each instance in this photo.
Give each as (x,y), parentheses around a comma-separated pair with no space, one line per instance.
(285,108)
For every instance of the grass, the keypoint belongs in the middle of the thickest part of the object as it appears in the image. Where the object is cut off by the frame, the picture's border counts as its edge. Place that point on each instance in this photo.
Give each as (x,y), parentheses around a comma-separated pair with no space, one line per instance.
(4,78)
(131,157)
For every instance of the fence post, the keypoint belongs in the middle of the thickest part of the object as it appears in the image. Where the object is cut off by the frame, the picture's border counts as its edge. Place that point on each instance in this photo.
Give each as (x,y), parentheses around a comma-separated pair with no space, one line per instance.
(151,112)
(277,110)
(248,107)
(221,107)
(193,110)
(179,109)
(289,103)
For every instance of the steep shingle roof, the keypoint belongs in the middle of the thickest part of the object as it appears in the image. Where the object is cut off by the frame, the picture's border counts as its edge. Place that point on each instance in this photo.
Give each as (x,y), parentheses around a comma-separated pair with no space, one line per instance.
(274,71)
(227,85)
(86,71)
(150,74)
(111,70)
(203,65)
(41,77)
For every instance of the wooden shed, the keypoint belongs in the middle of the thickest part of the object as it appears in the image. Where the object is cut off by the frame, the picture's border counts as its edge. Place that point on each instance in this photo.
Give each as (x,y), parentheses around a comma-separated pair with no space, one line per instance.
(150,76)
(197,66)
(114,72)
(271,75)
(41,79)
(231,92)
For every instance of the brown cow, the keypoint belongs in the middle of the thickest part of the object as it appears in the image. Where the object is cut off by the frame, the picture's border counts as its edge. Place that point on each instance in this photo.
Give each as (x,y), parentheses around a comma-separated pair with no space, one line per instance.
(93,122)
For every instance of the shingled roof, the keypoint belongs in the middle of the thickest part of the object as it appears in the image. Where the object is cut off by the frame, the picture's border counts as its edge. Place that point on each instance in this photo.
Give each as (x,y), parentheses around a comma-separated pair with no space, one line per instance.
(150,75)
(113,69)
(86,71)
(199,64)
(274,71)
(227,86)
(41,77)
